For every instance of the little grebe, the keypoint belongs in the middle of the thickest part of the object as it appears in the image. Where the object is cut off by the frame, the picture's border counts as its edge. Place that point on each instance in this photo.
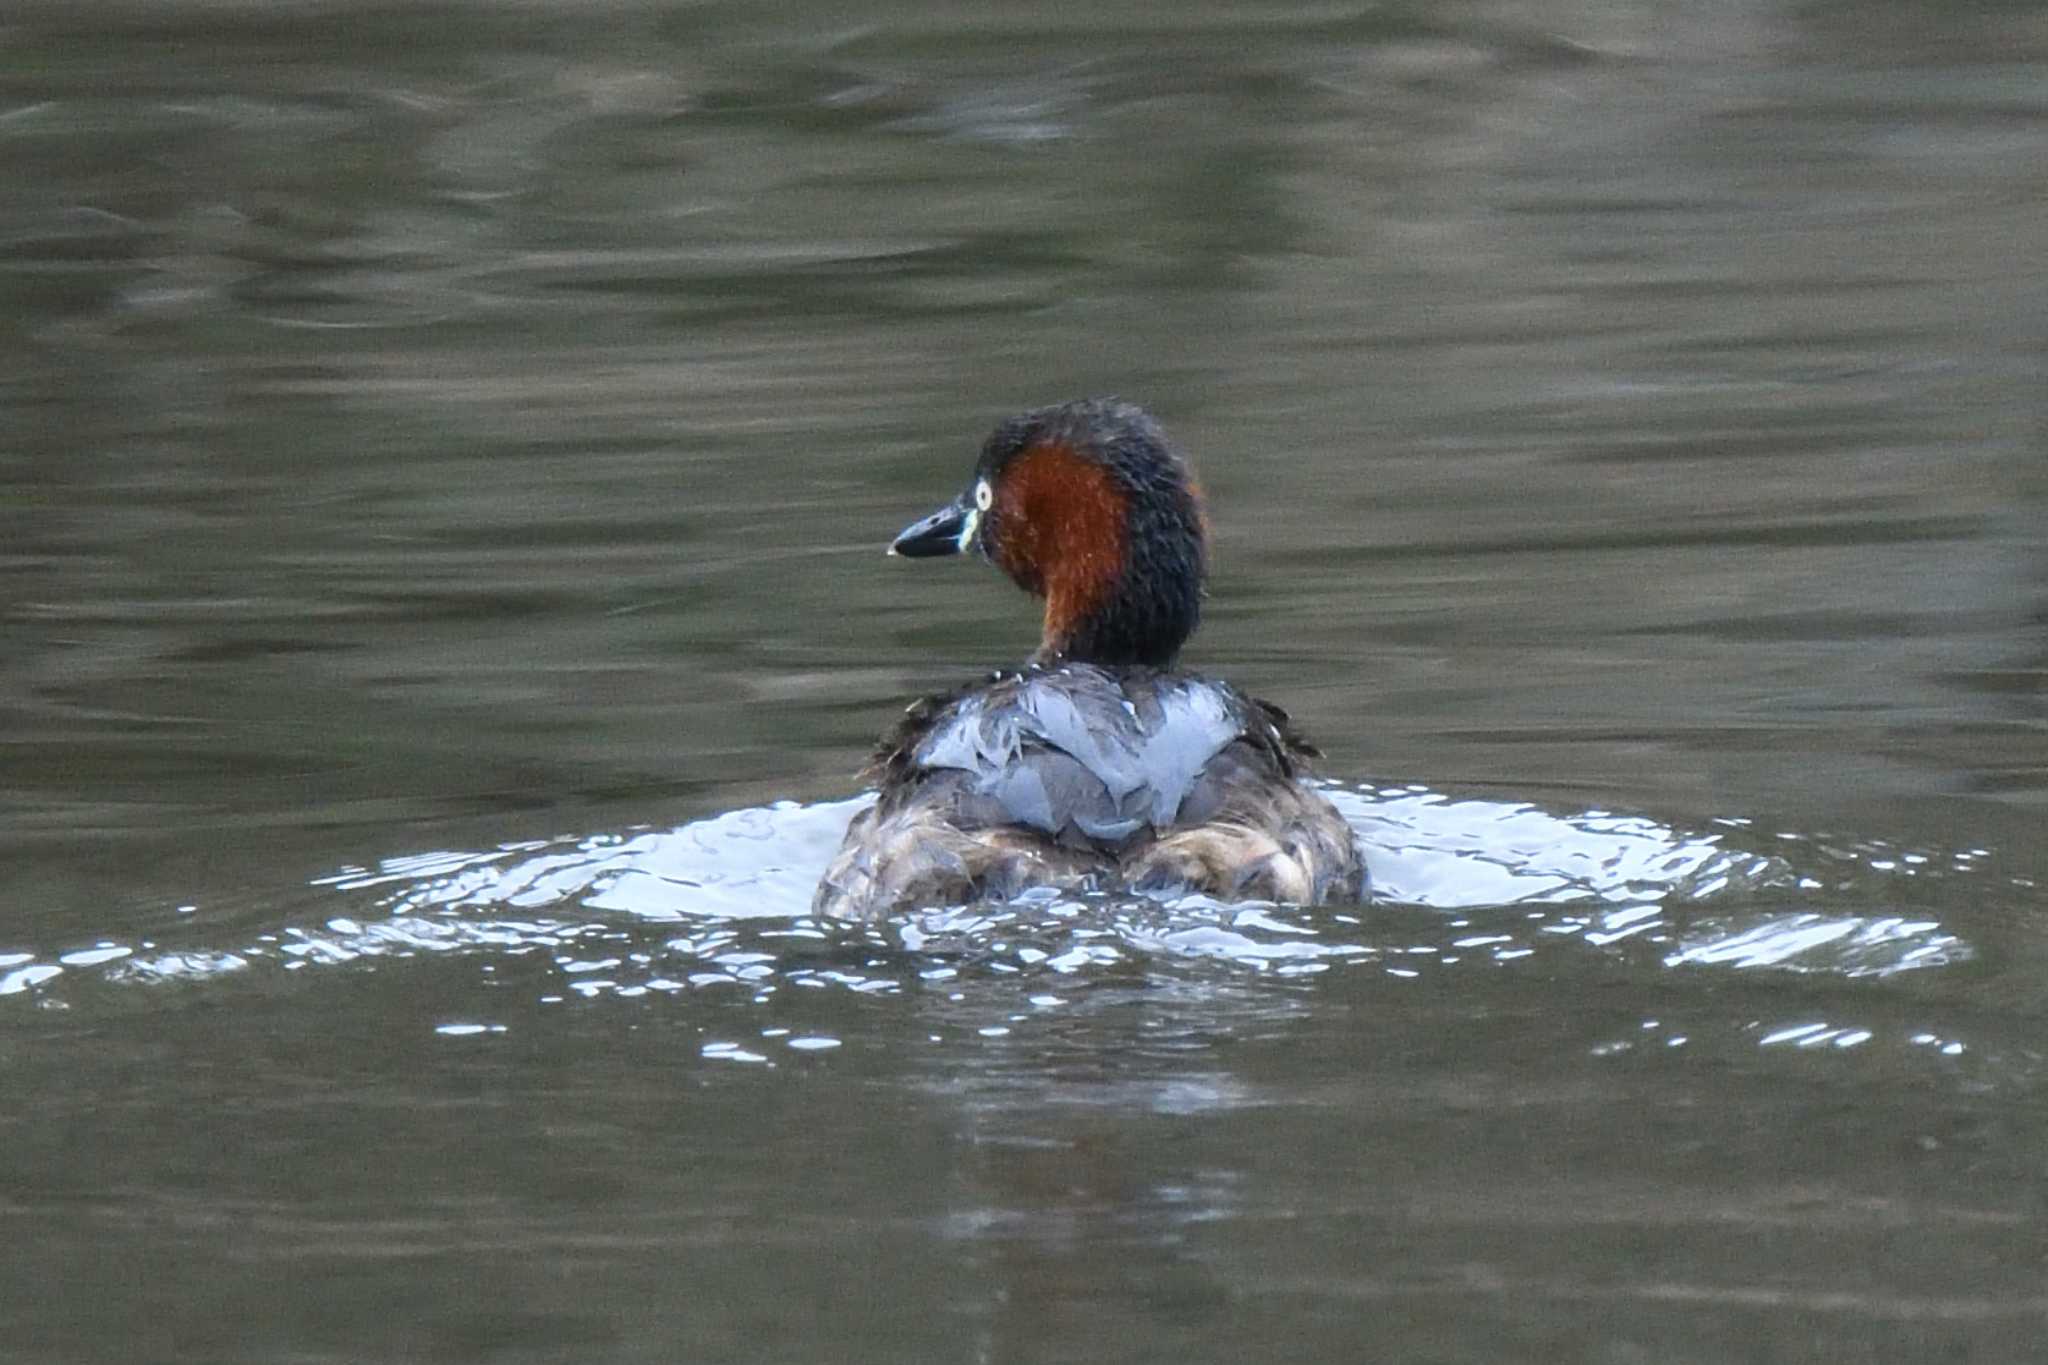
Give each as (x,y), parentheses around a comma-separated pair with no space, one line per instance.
(1099,766)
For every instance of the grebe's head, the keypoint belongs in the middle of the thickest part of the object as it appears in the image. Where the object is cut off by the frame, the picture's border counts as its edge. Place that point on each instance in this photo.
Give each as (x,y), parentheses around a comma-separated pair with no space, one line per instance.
(1088,506)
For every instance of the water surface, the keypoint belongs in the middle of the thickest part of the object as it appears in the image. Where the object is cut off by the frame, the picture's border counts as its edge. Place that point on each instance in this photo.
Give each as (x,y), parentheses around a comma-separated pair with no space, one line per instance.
(446,453)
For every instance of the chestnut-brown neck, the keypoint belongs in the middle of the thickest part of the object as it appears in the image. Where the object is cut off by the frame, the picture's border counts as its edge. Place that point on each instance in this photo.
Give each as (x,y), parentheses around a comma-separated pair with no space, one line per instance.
(1062,535)
(1121,578)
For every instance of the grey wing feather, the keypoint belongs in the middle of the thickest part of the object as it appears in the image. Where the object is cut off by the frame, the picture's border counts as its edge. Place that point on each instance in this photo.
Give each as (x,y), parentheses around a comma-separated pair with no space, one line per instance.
(1080,752)
(1077,777)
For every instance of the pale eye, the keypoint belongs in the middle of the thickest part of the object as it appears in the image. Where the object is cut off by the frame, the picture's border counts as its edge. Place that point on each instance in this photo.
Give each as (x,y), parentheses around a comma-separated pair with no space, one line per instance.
(983,495)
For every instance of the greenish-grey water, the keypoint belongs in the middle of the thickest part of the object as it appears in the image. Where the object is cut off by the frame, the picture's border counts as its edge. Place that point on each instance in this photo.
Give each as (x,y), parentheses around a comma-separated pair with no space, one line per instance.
(475,428)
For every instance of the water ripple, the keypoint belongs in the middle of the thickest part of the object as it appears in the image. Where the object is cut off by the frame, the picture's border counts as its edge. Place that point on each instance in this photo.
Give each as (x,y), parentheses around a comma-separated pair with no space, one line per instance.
(722,905)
